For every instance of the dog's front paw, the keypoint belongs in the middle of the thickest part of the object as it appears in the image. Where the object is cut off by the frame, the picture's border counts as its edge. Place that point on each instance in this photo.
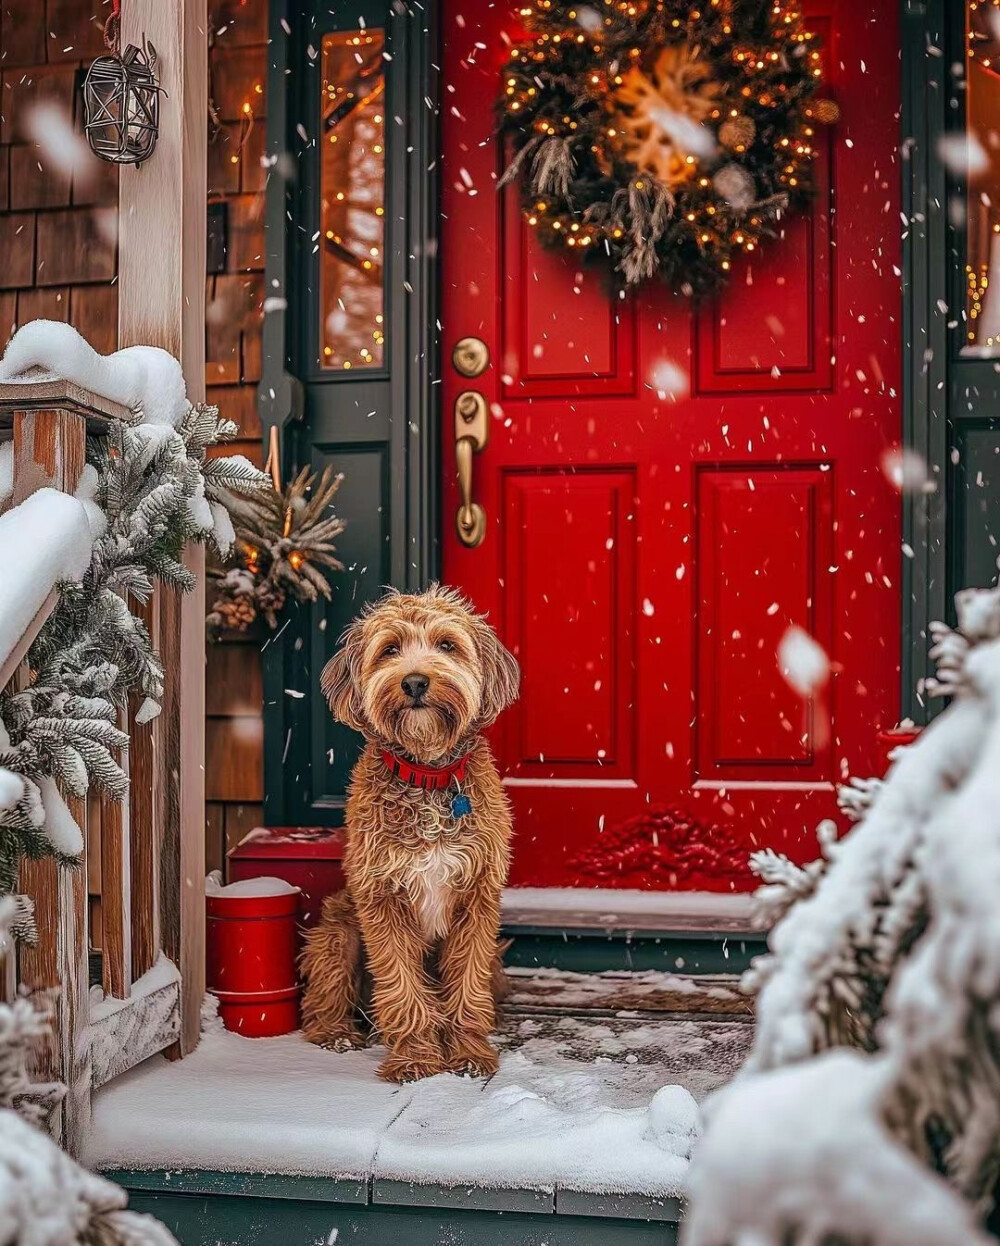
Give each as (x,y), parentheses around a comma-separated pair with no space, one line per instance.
(347,1039)
(472,1054)
(403,1067)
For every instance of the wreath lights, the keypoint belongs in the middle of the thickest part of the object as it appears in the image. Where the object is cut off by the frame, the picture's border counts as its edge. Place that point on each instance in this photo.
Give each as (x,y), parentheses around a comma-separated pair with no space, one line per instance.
(669,136)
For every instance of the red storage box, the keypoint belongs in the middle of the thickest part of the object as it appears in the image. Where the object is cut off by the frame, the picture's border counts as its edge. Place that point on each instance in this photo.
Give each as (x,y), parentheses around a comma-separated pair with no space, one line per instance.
(308,857)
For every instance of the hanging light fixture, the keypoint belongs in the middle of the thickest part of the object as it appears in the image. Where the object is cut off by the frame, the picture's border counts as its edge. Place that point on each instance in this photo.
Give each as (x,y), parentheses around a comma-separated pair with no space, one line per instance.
(121,99)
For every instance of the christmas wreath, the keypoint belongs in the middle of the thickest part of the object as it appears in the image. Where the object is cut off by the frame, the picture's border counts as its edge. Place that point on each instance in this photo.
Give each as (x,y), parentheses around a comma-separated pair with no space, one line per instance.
(668,135)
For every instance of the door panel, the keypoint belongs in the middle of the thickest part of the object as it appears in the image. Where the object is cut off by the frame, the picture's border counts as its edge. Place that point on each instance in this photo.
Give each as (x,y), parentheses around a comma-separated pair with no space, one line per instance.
(669,488)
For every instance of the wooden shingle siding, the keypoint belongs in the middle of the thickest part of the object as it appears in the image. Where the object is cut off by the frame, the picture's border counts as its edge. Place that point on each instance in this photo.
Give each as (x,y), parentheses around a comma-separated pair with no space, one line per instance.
(234,306)
(58,261)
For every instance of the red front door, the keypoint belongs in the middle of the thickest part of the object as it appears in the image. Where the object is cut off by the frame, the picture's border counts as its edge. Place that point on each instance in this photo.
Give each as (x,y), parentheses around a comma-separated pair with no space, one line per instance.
(668,489)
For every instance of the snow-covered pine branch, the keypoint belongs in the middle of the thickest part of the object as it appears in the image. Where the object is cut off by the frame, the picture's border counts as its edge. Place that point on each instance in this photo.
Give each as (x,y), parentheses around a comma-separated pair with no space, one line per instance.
(897,950)
(148,488)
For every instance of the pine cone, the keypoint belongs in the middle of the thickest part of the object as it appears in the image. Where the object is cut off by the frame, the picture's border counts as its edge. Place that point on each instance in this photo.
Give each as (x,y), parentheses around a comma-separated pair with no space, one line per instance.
(236,613)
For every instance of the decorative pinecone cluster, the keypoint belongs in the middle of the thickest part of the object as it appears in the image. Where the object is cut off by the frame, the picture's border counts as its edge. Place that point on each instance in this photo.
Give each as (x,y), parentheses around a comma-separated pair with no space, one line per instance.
(283,539)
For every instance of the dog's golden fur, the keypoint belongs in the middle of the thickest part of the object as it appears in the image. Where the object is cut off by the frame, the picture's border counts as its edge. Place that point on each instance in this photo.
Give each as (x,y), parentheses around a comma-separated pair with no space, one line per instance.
(421,909)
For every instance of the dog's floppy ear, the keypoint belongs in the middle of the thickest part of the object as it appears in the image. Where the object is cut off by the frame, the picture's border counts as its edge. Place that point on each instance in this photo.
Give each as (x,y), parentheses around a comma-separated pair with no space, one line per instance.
(501,674)
(339,682)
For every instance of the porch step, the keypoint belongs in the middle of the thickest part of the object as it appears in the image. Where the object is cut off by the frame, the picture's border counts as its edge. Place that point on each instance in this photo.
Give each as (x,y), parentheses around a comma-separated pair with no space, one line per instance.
(594,931)
(646,995)
(514,1159)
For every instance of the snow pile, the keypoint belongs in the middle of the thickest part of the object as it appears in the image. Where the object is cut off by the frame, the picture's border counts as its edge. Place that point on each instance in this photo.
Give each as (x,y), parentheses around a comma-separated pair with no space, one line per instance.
(541,1126)
(247,887)
(11,788)
(891,945)
(162,974)
(144,378)
(649,910)
(44,541)
(804,1147)
(59,825)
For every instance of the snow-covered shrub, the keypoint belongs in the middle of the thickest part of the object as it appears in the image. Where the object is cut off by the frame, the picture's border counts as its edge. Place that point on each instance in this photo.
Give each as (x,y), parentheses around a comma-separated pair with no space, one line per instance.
(891,945)
(46,1199)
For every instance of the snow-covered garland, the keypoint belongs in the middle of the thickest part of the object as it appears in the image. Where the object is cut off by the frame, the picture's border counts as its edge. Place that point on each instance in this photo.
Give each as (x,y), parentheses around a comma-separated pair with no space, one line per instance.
(891,943)
(149,488)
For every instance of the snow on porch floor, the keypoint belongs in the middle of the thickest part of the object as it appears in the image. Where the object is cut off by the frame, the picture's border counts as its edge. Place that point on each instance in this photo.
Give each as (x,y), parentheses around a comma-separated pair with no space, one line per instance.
(572,1107)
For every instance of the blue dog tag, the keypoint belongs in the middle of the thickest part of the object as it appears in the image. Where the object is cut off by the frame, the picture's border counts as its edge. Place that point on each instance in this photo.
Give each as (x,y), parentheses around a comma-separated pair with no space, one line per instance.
(460,805)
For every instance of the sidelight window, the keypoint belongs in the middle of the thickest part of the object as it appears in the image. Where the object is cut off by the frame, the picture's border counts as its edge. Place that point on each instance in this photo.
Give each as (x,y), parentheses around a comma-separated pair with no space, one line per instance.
(982,145)
(352,200)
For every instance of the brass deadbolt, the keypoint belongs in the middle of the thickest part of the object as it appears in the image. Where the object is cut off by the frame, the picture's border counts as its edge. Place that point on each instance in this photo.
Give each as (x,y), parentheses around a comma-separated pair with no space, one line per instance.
(470,356)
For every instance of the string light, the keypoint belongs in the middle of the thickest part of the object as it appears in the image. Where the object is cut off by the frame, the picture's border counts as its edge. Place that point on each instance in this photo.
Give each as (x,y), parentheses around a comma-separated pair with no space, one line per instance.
(980,28)
(353,89)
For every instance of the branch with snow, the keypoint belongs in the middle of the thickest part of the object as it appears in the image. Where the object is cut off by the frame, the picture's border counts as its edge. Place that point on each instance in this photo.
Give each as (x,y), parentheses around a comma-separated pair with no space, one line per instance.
(896,949)
(148,487)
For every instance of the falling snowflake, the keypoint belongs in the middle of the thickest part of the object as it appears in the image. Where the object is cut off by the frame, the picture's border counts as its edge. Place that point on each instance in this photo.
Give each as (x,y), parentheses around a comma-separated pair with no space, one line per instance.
(803,662)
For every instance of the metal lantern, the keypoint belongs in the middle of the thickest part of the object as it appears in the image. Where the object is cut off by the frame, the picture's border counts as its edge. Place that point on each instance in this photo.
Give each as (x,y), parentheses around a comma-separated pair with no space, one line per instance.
(121,100)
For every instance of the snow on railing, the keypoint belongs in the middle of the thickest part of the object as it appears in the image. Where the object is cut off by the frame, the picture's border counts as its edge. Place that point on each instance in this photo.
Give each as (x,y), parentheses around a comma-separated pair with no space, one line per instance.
(891,945)
(46,539)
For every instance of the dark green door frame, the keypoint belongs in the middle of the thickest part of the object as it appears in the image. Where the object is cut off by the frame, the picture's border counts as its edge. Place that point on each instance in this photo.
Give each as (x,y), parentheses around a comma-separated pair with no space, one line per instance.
(951,402)
(925,336)
(377,425)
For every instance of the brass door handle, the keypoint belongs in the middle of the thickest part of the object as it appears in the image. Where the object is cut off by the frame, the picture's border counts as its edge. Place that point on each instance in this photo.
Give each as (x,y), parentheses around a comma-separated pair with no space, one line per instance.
(472,430)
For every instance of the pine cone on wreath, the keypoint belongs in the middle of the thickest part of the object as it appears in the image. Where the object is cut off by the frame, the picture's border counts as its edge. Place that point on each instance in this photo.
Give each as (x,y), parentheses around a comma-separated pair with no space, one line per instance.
(234,614)
(271,600)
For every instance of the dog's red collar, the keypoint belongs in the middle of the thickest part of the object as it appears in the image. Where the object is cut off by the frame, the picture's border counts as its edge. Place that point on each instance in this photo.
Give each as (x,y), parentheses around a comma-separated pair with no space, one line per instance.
(430,778)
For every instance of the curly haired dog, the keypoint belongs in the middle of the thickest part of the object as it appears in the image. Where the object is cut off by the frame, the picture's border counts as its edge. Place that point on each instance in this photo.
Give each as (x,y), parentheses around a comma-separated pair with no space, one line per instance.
(428,835)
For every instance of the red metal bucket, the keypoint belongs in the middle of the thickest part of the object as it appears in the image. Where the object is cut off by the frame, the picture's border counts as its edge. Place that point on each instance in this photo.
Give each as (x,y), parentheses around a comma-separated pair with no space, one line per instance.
(252,942)
(895,737)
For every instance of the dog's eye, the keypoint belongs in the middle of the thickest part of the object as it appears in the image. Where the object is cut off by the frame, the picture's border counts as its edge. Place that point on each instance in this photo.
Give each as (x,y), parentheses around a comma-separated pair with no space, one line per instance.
(389,651)
(446,646)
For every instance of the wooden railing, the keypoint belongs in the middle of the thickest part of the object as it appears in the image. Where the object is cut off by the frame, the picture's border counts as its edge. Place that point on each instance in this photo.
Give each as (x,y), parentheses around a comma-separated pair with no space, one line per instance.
(122,908)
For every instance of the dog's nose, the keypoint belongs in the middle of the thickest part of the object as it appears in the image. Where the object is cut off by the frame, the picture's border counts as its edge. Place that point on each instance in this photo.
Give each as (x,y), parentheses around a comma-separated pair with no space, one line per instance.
(415,685)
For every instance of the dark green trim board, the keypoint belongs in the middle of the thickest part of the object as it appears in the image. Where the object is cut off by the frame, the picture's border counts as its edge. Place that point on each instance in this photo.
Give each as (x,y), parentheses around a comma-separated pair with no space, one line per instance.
(377,426)
(601,951)
(925,335)
(951,401)
(244,1209)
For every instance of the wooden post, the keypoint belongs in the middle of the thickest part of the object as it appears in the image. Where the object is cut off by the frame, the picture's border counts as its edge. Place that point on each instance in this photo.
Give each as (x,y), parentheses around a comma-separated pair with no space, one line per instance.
(161,302)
